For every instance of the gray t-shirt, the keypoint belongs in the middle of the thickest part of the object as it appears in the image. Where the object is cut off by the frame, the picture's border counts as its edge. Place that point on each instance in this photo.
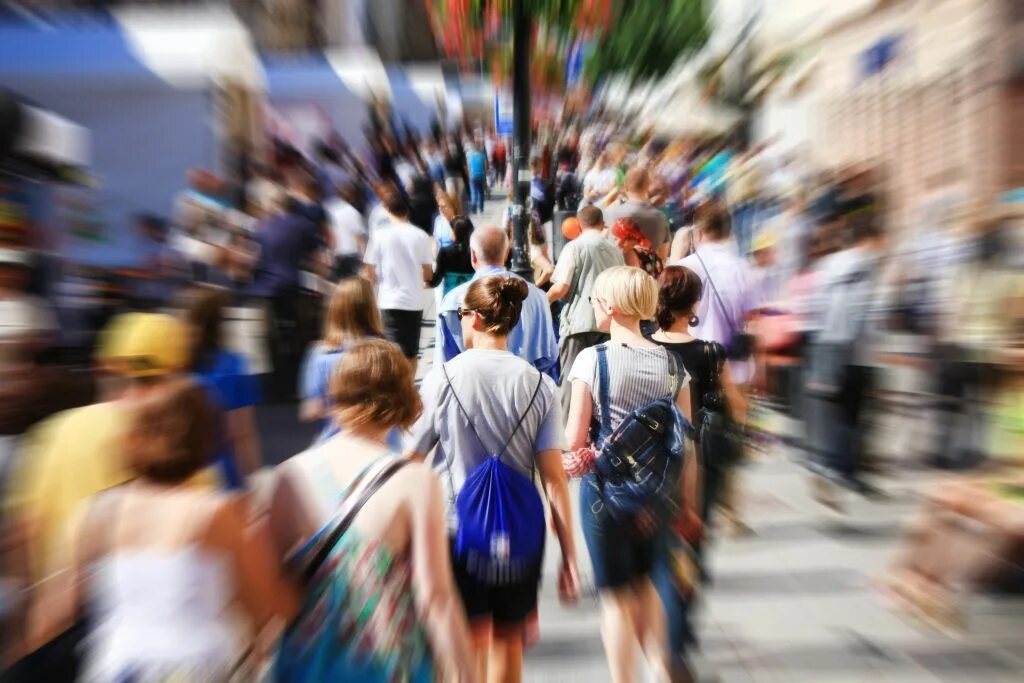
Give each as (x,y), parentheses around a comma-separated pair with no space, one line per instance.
(495,388)
(579,264)
(637,376)
(648,218)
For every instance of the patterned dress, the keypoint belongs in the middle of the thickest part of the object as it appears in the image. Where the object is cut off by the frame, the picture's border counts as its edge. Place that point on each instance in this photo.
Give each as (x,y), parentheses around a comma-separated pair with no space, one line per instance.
(359,622)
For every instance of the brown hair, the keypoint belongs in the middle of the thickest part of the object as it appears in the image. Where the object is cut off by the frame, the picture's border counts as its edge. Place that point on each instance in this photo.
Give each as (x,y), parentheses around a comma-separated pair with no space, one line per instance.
(715,223)
(373,385)
(205,314)
(680,291)
(590,217)
(352,313)
(179,417)
(498,300)
(637,181)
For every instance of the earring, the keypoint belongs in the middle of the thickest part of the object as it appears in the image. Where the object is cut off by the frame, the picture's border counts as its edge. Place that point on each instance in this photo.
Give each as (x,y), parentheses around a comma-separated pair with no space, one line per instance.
(694,320)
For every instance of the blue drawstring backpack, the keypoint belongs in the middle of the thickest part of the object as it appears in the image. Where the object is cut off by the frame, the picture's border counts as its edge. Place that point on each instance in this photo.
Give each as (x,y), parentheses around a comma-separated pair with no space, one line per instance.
(500,531)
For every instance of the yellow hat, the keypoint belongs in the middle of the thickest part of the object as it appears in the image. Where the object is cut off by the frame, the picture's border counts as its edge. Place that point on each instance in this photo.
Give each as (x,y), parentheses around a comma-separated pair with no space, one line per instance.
(144,345)
(764,240)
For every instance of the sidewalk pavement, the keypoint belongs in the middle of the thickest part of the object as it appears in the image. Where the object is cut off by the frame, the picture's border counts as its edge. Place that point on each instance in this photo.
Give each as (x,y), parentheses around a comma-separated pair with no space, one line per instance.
(794,602)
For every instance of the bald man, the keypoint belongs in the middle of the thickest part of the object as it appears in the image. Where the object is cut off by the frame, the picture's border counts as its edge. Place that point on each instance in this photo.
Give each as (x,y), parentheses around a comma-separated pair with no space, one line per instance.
(533,339)
(637,206)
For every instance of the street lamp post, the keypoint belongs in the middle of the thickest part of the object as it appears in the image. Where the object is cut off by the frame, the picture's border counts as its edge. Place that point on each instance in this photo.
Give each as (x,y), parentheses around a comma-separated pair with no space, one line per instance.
(521,38)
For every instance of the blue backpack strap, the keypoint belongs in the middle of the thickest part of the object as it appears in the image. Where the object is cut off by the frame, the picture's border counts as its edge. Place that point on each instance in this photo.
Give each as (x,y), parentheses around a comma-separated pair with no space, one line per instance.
(603,391)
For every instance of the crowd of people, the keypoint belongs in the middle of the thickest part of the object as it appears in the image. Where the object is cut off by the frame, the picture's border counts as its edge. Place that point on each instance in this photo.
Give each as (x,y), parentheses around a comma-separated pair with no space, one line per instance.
(144,539)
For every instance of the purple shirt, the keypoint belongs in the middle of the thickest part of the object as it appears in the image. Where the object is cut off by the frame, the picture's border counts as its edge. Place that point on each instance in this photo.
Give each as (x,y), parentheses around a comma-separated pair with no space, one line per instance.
(738,290)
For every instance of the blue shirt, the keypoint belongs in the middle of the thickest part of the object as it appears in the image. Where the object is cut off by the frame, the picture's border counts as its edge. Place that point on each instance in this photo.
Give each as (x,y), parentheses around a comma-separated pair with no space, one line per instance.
(533,339)
(225,375)
(314,381)
(476,162)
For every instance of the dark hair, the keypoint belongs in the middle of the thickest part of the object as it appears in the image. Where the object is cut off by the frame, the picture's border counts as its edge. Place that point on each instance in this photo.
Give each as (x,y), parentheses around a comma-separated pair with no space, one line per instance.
(181,415)
(462,227)
(590,216)
(680,289)
(396,204)
(715,223)
(205,314)
(498,300)
(864,226)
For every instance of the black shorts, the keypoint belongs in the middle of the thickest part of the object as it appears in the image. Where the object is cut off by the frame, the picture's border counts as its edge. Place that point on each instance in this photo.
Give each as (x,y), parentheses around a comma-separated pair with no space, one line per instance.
(403,328)
(508,607)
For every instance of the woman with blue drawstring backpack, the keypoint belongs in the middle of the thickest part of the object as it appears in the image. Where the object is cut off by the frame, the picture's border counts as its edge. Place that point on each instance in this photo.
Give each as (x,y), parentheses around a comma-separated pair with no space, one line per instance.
(497,428)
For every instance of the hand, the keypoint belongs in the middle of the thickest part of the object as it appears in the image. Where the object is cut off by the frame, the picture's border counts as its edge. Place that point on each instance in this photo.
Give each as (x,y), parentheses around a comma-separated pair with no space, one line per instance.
(568,582)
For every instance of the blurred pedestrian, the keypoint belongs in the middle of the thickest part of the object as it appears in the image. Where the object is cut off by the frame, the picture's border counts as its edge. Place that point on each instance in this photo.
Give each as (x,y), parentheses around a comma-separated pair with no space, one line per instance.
(352,316)
(649,219)
(422,204)
(494,421)
(165,567)
(635,247)
(400,261)
(610,381)
(476,164)
(448,207)
(287,240)
(233,389)
(582,260)
(455,261)
(532,338)
(359,526)
(348,230)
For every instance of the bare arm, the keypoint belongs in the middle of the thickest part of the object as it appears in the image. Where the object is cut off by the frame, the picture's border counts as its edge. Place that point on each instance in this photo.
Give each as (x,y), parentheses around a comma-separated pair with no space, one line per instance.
(558,291)
(581,407)
(556,488)
(370,273)
(691,467)
(428,274)
(242,427)
(437,601)
(663,251)
(311,410)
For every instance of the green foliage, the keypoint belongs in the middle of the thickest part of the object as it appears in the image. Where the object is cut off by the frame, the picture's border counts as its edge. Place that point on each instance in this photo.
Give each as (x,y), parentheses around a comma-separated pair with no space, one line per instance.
(648,36)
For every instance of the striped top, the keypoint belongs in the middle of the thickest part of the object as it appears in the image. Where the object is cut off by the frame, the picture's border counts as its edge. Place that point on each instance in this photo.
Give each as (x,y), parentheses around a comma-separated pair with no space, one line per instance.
(637,376)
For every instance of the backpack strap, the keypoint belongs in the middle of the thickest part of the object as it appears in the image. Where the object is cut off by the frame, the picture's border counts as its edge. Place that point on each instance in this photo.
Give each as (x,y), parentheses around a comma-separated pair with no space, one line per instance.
(351,506)
(603,392)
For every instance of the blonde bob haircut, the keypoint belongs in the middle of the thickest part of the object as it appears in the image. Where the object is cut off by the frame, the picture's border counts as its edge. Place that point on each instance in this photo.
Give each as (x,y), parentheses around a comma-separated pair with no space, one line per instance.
(630,291)
(373,385)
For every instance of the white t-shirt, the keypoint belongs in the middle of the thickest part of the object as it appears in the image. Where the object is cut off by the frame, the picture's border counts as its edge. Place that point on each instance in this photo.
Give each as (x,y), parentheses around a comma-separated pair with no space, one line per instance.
(601,180)
(346,225)
(398,251)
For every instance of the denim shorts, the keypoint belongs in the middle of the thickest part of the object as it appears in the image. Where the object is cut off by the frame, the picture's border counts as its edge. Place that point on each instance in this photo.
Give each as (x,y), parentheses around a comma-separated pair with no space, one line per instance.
(619,554)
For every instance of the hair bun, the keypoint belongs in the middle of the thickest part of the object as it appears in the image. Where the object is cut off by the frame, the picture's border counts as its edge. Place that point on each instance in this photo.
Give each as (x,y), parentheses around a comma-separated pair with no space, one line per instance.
(514,290)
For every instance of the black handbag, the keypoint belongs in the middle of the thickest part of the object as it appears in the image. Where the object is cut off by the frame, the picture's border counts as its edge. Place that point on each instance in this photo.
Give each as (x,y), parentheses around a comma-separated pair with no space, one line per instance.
(721,442)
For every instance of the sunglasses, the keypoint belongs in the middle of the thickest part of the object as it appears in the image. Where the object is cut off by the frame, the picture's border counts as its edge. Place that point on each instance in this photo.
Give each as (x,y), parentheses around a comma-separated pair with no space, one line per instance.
(461,312)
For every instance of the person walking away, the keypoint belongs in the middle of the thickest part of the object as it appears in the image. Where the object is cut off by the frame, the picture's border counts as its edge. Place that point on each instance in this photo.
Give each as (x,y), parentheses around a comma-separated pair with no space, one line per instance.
(599,181)
(455,261)
(635,247)
(650,219)
(225,374)
(454,170)
(721,317)
(448,207)
(163,566)
(532,338)
(476,163)
(348,230)
(357,525)
(580,263)
(75,454)
(286,242)
(495,423)
(609,382)
(499,160)
(714,401)
(568,193)
(352,317)
(838,370)
(400,261)
(422,204)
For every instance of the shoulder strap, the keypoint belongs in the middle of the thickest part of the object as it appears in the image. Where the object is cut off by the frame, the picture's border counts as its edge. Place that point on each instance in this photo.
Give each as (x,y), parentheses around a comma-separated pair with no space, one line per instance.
(714,291)
(603,390)
(350,508)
